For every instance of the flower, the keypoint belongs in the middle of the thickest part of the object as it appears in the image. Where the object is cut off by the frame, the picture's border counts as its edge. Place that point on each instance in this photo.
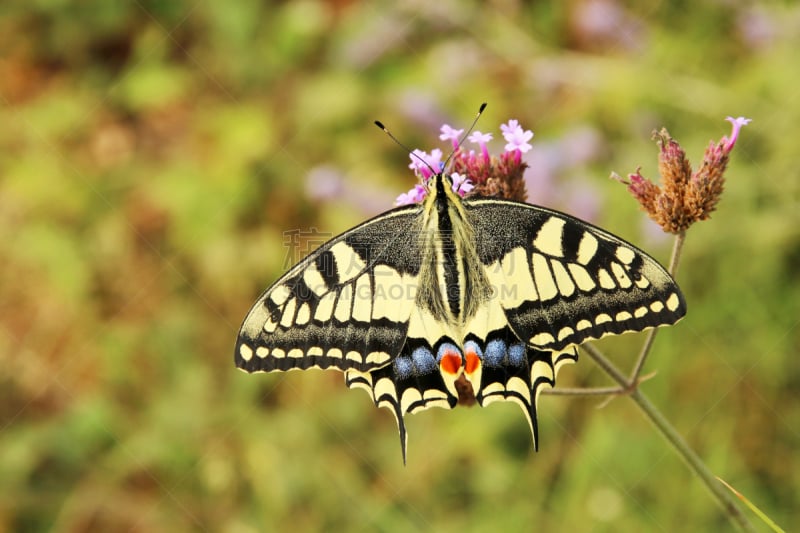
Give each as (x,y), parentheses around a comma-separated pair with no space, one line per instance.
(452,134)
(737,124)
(425,164)
(516,137)
(645,191)
(481,139)
(512,125)
(414,196)
(473,173)
(461,184)
(684,196)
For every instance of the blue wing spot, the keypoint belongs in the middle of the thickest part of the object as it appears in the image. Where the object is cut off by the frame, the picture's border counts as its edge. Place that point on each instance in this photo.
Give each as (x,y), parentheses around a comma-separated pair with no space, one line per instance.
(516,354)
(447,347)
(496,351)
(424,362)
(403,367)
(472,346)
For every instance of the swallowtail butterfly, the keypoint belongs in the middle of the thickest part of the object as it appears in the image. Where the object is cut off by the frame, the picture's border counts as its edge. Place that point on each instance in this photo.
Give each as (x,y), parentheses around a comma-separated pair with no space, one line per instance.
(479,293)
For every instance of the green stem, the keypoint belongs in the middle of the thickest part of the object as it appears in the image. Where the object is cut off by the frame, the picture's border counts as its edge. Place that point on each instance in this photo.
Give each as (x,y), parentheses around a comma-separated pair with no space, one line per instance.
(645,351)
(677,442)
(677,246)
(585,391)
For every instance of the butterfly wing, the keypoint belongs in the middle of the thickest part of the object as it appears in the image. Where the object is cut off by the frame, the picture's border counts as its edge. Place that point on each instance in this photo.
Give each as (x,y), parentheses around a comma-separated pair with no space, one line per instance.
(347,305)
(561,281)
(556,281)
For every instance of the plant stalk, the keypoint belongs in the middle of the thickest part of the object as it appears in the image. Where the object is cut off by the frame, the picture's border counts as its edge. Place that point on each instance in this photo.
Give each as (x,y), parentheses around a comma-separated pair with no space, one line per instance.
(677,247)
(677,442)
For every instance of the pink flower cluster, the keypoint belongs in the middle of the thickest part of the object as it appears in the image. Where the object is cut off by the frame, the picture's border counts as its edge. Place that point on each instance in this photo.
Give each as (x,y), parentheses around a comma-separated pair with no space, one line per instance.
(470,169)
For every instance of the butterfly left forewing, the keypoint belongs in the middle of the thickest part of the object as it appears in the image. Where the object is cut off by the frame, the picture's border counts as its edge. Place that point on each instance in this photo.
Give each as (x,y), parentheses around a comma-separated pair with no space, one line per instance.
(346,305)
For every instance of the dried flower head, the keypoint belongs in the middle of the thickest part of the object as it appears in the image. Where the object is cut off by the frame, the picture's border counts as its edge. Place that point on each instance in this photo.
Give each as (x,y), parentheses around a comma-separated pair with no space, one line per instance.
(684,197)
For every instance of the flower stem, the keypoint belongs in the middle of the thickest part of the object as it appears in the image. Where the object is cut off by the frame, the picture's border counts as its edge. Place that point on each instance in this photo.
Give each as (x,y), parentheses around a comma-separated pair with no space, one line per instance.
(677,248)
(677,442)
(674,259)
(595,391)
(585,391)
(693,461)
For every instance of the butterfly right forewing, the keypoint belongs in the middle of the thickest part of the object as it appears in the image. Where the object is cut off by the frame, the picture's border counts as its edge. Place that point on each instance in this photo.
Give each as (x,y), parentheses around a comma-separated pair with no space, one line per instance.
(562,281)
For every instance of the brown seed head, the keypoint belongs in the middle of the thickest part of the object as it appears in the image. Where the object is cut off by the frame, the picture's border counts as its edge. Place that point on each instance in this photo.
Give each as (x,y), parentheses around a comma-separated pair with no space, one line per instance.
(684,197)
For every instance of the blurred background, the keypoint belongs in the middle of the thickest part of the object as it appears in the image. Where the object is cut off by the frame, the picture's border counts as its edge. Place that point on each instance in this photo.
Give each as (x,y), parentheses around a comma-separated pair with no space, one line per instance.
(154,154)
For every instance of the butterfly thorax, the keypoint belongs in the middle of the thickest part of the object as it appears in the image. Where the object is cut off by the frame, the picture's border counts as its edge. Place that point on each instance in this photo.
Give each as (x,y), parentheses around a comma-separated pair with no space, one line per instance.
(453,284)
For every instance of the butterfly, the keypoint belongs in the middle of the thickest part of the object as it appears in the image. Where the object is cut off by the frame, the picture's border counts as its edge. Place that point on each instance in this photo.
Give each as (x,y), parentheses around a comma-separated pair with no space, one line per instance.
(455,297)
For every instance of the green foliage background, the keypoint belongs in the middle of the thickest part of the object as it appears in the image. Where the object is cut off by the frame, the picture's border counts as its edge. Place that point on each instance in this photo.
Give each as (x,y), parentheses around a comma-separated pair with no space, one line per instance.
(153,153)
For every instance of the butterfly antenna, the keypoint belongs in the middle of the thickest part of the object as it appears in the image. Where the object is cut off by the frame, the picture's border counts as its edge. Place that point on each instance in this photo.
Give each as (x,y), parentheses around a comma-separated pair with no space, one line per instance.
(463,137)
(404,147)
(412,153)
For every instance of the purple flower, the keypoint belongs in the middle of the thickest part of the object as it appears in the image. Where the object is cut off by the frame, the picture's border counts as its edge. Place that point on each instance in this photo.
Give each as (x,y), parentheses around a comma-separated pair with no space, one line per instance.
(452,134)
(737,124)
(516,137)
(512,125)
(461,184)
(414,196)
(481,139)
(469,172)
(425,164)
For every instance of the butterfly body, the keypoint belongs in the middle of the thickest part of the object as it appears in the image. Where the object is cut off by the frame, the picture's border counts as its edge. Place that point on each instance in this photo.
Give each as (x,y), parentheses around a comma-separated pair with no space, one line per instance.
(418,300)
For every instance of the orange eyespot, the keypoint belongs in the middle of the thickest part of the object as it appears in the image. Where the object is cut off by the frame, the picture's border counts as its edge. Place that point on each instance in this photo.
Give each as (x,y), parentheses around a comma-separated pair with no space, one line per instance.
(473,363)
(451,362)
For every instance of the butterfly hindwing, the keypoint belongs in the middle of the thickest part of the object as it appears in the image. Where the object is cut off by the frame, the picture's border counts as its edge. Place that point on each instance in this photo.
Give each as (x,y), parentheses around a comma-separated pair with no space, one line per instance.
(514,372)
(562,281)
(414,380)
(346,305)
